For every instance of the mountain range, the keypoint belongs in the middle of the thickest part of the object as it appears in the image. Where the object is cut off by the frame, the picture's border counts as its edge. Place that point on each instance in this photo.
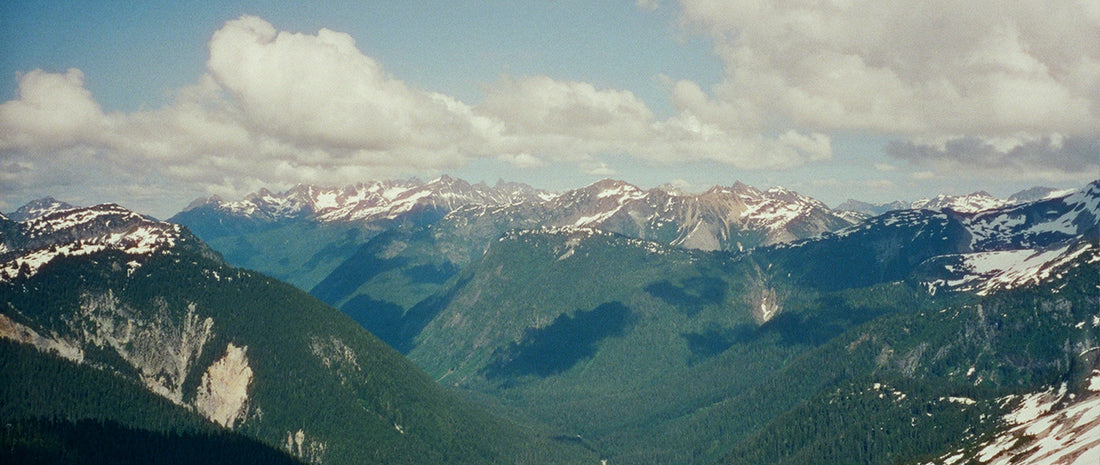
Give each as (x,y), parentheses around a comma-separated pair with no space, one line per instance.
(605,323)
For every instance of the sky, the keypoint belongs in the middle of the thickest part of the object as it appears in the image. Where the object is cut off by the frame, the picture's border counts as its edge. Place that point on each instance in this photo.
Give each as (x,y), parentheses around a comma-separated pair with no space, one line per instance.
(152,104)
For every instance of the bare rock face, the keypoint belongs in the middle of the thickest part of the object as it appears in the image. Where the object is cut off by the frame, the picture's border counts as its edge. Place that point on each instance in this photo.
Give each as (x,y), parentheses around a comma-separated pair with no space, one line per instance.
(223,394)
(301,445)
(162,349)
(766,305)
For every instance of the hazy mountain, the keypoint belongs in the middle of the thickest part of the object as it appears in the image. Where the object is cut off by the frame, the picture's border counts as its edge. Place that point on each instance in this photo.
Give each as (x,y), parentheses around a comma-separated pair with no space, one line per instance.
(968,203)
(113,297)
(302,234)
(38,208)
(871,209)
(721,218)
(379,201)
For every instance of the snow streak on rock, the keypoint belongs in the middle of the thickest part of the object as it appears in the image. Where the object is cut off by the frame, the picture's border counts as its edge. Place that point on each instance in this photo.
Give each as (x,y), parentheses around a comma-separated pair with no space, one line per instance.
(983,272)
(1043,429)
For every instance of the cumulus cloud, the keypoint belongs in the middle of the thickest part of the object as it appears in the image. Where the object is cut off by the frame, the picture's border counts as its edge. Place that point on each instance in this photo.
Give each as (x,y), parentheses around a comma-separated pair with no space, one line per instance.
(50,111)
(916,70)
(972,84)
(321,91)
(647,5)
(278,107)
(569,119)
(600,169)
(537,106)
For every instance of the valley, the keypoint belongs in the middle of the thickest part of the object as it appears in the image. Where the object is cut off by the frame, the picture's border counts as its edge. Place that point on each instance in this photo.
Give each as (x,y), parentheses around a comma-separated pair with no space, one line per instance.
(451,322)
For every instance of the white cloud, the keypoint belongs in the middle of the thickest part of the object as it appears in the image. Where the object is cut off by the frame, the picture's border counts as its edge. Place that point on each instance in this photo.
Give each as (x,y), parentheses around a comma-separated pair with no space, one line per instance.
(986,69)
(321,91)
(50,111)
(879,184)
(277,108)
(973,85)
(522,160)
(540,107)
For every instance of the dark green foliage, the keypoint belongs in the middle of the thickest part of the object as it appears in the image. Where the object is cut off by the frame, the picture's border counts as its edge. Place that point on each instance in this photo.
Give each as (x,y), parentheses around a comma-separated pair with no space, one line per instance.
(561,344)
(692,295)
(698,380)
(55,411)
(299,252)
(826,318)
(414,321)
(90,442)
(381,318)
(359,268)
(38,385)
(822,351)
(384,284)
(885,249)
(863,423)
(372,406)
(431,273)
(714,341)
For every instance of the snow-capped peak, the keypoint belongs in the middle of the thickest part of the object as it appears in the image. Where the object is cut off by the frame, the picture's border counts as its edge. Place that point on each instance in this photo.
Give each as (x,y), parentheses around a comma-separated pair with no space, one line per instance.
(617,189)
(375,200)
(969,203)
(81,231)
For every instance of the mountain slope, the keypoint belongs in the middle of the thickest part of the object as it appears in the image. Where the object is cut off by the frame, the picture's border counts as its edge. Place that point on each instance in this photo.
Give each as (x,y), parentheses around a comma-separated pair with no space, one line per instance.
(376,267)
(148,302)
(300,236)
(891,246)
(631,343)
(56,411)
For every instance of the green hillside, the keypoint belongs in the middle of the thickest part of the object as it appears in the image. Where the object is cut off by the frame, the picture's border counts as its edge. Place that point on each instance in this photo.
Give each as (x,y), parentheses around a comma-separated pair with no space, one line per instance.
(319,385)
(59,412)
(659,355)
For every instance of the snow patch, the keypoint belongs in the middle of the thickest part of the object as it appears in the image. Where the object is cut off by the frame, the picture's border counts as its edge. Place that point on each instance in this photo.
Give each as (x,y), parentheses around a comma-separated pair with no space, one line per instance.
(1041,433)
(78,232)
(983,272)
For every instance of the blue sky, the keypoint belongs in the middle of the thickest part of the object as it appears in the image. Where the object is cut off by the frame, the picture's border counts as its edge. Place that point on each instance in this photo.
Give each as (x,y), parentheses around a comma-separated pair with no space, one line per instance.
(152,104)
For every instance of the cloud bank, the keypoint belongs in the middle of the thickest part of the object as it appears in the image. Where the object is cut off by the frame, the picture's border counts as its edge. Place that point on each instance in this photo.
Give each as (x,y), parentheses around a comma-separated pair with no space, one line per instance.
(280,107)
(979,83)
(959,86)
